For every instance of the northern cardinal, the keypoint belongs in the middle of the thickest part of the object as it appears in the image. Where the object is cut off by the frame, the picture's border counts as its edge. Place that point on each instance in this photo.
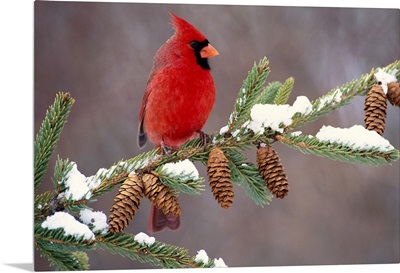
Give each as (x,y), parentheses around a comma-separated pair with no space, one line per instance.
(179,97)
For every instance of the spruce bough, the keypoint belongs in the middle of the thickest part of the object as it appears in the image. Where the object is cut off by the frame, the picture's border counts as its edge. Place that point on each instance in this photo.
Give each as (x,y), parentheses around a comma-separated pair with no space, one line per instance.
(68,251)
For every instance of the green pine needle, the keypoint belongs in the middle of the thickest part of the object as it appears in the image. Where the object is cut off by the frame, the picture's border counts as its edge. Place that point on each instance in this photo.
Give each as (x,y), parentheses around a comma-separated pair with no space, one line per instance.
(57,236)
(63,260)
(185,183)
(248,93)
(157,254)
(42,205)
(246,174)
(49,133)
(61,170)
(337,151)
(284,91)
(268,94)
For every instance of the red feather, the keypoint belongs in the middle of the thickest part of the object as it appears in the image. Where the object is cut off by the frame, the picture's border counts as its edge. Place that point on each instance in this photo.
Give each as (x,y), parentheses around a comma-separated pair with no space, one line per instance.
(180,92)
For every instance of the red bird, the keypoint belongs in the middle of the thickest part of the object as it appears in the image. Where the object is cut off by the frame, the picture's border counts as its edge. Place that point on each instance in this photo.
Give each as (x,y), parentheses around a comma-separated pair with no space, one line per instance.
(179,97)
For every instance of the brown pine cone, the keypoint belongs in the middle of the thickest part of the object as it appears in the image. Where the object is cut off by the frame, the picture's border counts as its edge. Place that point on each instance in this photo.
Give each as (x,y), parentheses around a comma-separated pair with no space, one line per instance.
(126,203)
(393,93)
(160,195)
(375,109)
(219,175)
(272,171)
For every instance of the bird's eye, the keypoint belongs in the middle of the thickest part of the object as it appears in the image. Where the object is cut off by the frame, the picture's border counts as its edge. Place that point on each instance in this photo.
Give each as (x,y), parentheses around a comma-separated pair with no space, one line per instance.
(194,44)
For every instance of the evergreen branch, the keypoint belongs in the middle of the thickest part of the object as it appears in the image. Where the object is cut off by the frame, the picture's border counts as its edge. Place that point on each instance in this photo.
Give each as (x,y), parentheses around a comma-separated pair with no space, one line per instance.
(75,206)
(49,202)
(186,184)
(118,172)
(336,151)
(45,204)
(195,150)
(82,258)
(59,238)
(246,174)
(341,96)
(284,91)
(61,171)
(157,254)
(61,250)
(67,252)
(268,95)
(151,161)
(49,133)
(248,93)
(109,184)
(63,260)
(241,137)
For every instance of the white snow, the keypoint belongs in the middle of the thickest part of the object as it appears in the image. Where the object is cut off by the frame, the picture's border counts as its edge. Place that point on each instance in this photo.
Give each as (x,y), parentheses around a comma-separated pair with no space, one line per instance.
(336,96)
(302,105)
(295,133)
(134,165)
(70,225)
(219,263)
(273,116)
(243,99)
(111,171)
(93,182)
(356,137)
(269,115)
(223,130)
(97,218)
(77,186)
(202,256)
(181,168)
(235,133)
(142,238)
(100,172)
(384,78)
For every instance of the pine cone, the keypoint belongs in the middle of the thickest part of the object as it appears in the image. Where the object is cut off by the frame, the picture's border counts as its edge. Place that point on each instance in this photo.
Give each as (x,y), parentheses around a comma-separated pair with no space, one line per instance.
(272,171)
(160,195)
(126,203)
(393,93)
(219,175)
(375,109)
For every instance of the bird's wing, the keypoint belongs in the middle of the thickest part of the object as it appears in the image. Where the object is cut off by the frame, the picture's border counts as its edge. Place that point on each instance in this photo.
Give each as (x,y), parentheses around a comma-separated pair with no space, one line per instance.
(141,135)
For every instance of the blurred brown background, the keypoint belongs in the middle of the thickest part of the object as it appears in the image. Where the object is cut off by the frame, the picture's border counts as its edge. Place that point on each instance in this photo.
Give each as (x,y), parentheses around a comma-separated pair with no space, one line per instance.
(335,213)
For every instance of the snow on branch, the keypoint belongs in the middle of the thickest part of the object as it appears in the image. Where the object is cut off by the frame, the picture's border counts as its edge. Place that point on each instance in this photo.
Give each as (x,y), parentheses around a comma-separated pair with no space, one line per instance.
(355,145)
(69,224)
(260,117)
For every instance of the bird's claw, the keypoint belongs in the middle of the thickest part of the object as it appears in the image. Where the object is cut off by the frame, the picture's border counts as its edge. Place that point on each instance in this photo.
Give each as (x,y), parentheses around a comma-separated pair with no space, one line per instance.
(205,138)
(166,150)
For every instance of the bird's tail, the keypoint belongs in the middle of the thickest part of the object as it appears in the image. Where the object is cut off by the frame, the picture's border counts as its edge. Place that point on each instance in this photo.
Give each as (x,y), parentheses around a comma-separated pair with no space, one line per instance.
(141,136)
(159,221)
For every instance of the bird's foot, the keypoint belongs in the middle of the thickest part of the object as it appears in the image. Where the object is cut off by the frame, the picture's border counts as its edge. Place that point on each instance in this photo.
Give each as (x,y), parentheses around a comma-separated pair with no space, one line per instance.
(205,138)
(166,150)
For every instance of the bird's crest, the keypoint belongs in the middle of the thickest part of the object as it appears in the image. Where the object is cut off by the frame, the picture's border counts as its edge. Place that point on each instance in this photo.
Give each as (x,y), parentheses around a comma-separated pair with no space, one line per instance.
(182,27)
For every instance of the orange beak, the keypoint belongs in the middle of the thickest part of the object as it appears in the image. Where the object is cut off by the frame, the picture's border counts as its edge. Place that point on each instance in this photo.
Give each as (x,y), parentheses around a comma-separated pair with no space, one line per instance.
(208,51)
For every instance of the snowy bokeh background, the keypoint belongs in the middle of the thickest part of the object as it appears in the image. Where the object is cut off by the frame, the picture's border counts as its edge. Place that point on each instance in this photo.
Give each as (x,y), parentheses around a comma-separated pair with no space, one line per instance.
(335,213)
